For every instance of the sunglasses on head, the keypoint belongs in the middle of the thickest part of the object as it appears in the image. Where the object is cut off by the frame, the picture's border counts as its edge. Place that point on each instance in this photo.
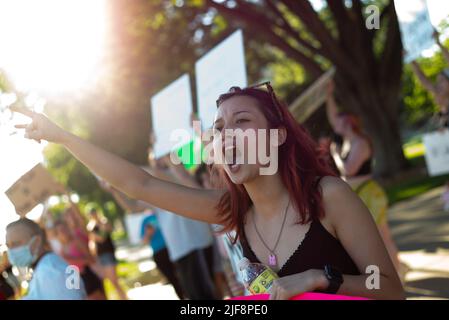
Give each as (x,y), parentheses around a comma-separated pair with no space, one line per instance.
(240,91)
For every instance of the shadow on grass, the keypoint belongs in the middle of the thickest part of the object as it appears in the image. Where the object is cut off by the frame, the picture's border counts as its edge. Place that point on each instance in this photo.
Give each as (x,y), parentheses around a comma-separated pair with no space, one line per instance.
(435,287)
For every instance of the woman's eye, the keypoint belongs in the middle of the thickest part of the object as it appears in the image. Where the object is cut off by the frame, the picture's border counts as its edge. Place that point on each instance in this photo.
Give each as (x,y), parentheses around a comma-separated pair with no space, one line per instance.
(239,121)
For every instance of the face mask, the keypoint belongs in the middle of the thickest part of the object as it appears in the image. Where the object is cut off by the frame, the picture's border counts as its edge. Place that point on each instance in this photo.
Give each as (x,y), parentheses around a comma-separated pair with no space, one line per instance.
(22,256)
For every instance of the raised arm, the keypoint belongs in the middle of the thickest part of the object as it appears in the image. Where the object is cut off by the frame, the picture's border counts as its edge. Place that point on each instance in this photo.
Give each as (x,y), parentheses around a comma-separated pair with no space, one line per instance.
(125,176)
(331,105)
(181,175)
(426,83)
(444,50)
(128,204)
(360,152)
(364,243)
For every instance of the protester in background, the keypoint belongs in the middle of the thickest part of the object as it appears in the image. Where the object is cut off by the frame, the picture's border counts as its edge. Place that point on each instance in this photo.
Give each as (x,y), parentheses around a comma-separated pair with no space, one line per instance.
(100,235)
(301,203)
(189,241)
(48,224)
(26,248)
(208,178)
(151,234)
(8,290)
(353,158)
(75,253)
(440,89)
(76,222)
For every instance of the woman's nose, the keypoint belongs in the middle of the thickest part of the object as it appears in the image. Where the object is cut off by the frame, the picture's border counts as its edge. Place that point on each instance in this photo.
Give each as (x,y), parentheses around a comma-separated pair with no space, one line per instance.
(227,138)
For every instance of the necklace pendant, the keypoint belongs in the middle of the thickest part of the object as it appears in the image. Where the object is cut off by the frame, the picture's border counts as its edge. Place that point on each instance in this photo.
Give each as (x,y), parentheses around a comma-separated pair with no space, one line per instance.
(272,261)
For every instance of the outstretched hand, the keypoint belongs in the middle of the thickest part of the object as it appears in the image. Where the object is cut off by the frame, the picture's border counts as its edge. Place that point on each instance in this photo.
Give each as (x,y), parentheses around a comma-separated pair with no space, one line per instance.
(40,128)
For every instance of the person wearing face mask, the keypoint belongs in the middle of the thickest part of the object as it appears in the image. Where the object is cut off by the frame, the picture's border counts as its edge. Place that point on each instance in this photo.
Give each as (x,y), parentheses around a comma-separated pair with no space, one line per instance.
(51,278)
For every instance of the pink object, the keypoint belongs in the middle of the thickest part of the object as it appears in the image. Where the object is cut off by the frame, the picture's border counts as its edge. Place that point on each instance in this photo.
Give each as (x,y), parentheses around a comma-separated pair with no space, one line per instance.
(304,296)
(272,261)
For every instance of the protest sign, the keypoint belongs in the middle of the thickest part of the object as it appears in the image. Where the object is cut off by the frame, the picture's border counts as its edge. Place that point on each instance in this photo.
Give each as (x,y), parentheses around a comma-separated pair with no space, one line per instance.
(220,69)
(416,27)
(437,152)
(34,187)
(171,111)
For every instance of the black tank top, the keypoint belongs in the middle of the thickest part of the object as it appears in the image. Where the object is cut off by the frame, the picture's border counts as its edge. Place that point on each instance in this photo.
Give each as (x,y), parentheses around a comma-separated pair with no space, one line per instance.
(107,246)
(365,168)
(318,249)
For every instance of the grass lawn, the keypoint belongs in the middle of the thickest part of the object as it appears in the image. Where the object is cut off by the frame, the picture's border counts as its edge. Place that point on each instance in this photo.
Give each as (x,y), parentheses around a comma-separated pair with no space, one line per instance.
(417,184)
(130,277)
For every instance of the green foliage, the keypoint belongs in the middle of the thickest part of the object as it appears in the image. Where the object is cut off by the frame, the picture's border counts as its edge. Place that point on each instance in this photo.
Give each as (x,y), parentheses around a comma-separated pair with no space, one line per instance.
(419,105)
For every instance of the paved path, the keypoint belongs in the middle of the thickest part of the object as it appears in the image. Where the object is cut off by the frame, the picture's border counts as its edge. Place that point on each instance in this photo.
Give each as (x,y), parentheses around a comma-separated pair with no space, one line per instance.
(421,230)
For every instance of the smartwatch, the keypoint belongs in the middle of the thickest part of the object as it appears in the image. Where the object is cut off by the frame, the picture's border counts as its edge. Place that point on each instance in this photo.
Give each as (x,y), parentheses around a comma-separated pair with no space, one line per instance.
(334,277)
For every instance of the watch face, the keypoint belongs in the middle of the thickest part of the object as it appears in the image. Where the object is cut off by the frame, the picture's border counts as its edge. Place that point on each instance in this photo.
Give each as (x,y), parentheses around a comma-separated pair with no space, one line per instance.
(334,274)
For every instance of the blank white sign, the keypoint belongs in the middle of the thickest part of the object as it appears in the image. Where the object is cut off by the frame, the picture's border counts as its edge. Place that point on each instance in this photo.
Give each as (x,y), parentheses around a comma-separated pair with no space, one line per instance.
(171,110)
(416,28)
(437,152)
(220,69)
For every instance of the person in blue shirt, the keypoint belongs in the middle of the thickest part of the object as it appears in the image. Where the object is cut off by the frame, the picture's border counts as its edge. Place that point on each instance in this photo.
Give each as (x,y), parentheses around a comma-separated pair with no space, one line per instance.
(151,234)
(52,277)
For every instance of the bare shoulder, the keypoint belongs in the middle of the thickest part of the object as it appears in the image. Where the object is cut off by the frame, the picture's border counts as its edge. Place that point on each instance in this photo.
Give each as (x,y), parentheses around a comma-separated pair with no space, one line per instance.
(340,202)
(333,187)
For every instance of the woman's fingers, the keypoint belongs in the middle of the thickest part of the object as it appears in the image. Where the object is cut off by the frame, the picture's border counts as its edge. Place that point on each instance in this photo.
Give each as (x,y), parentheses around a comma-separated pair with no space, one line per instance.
(21,126)
(273,292)
(33,134)
(25,111)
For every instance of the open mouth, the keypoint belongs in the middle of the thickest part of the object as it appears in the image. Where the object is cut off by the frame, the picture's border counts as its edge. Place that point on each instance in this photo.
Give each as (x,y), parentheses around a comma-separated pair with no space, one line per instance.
(232,158)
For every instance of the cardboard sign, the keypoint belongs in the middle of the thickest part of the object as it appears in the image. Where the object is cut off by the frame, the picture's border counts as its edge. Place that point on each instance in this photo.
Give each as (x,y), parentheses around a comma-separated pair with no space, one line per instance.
(34,187)
(416,28)
(171,109)
(307,103)
(437,152)
(220,69)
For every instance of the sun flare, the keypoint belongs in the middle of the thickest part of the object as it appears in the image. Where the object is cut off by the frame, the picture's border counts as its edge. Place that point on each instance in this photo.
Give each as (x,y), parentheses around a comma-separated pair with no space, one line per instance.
(51,45)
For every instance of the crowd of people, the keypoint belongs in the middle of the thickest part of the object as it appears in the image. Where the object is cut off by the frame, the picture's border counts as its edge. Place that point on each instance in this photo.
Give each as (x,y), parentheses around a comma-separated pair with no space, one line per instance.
(62,241)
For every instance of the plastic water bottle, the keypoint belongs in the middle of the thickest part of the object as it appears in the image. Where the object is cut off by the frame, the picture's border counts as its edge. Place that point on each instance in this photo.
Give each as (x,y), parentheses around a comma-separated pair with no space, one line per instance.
(258,278)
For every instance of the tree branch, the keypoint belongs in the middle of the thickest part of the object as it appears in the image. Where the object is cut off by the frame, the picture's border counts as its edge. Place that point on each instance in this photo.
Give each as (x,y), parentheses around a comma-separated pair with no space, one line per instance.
(286,26)
(331,49)
(259,24)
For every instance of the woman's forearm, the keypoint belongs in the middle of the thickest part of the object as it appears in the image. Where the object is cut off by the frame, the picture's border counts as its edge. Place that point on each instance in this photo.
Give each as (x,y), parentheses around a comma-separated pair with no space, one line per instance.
(120,173)
(444,50)
(125,176)
(331,111)
(425,82)
(366,286)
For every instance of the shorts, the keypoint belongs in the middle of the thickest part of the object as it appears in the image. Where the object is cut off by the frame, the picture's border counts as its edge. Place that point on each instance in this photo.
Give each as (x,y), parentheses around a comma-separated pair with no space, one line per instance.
(91,281)
(375,198)
(107,259)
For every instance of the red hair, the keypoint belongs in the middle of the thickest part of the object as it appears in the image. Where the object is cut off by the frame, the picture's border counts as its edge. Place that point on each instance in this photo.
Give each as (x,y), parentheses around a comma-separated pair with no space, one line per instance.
(300,167)
(356,126)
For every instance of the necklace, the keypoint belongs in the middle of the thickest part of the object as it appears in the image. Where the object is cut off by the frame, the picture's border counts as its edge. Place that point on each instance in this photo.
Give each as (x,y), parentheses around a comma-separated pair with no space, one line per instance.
(272,259)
